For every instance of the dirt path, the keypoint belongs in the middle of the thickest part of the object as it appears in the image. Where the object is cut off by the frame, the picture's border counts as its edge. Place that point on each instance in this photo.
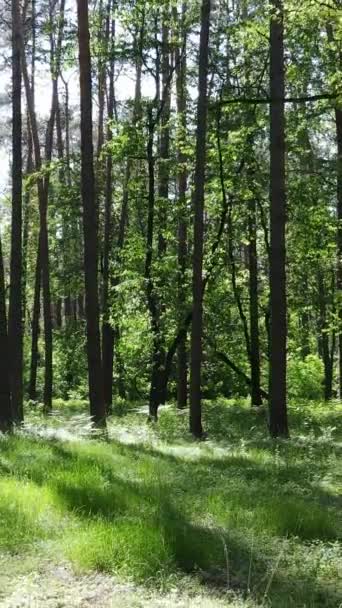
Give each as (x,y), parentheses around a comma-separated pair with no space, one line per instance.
(47,585)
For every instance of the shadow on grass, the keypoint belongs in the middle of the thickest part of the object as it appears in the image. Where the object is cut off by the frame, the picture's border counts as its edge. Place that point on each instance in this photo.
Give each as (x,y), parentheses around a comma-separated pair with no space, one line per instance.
(151,522)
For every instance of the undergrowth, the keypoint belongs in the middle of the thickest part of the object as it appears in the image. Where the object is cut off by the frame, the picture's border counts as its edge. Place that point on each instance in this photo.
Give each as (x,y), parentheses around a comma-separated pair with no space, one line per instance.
(239,512)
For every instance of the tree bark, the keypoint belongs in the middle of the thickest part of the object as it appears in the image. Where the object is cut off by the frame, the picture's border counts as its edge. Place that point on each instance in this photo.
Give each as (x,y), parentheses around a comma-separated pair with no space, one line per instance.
(97,405)
(107,329)
(180,59)
(15,313)
(254,306)
(6,418)
(198,204)
(277,390)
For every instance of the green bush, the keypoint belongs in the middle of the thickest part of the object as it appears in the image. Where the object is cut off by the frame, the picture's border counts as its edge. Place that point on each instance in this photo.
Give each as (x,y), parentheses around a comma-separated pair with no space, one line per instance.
(305,378)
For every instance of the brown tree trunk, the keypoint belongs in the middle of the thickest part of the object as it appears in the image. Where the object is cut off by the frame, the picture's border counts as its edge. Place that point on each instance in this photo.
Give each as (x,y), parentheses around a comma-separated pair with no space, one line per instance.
(254,306)
(43,197)
(6,418)
(277,390)
(97,405)
(180,59)
(107,330)
(32,390)
(198,204)
(15,314)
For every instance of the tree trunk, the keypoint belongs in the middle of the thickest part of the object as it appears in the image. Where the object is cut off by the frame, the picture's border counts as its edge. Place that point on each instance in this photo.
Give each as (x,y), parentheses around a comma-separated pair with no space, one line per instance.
(254,306)
(324,336)
(97,405)
(198,205)
(15,313)
(6,418)
(180,59)
(107,330)
(277,391)
(32,390)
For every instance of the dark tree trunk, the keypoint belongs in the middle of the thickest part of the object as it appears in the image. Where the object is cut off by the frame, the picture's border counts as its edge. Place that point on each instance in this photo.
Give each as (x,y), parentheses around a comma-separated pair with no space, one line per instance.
(182,363)
(324,338)
(32,389)
(277,391)
(58,315)
(15,313)
(157,361)
(43,197)
(97,405)
(338,120)
(338,123)
(27,215)
(254,306)
(107,329)
(6,418)
(198,205)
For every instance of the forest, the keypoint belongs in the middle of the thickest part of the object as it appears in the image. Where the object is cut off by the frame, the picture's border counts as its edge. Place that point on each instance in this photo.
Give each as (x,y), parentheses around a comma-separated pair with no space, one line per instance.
(171,303)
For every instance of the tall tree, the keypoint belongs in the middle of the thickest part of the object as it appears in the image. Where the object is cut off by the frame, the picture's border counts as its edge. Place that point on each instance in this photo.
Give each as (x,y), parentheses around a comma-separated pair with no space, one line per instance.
(198,205)
(6,418)
(15,314)
(90,222)
(180,59)
(277,390)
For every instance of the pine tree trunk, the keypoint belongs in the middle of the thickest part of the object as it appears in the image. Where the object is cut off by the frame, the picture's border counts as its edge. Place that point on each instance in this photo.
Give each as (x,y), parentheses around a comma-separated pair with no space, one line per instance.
(90,220)
(254,306)
(198,204)
(107,330)
(32,390)
(278,407)
(6,418)
(15,313)
(182,363)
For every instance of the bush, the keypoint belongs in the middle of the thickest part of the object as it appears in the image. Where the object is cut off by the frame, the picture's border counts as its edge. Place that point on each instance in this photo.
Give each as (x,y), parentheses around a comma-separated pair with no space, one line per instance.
(305,378)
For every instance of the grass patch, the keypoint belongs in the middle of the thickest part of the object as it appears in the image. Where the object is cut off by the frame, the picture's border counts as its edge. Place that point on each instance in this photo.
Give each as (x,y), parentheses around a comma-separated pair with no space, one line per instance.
(261,517)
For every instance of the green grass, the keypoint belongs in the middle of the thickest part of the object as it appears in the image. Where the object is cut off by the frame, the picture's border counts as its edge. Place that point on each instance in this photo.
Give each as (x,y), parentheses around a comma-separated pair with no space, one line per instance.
(239,511)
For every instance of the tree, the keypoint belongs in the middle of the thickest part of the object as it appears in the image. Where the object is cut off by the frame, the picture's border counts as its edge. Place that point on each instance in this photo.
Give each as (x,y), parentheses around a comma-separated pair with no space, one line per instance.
(277,390)
(15,314)
(198,205)
(90,222)
(6,418)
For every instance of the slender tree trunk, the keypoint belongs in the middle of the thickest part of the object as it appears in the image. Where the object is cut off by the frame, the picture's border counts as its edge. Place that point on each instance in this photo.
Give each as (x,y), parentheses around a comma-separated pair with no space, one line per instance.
(338,123)
(107,330)
(6,418)
(15,314)
(324,335)
(152,302)
(180,59)
(278,408)
(198,204)
(32,390)
(27,215)
(254,306)
(43,197)
(97,405)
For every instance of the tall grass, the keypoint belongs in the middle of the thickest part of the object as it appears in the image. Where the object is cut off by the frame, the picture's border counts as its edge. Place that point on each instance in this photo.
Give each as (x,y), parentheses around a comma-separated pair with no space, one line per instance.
(260,516)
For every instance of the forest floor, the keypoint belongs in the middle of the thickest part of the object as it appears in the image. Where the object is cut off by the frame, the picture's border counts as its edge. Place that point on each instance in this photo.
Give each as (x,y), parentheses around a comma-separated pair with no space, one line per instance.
(149,517)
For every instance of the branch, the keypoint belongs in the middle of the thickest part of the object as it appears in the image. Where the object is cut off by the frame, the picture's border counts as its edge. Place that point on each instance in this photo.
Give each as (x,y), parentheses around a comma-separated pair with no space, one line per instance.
(238,371)
(261,100)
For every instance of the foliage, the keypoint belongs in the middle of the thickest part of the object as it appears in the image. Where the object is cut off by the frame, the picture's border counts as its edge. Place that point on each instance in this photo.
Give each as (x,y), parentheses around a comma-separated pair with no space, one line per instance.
(152,510)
